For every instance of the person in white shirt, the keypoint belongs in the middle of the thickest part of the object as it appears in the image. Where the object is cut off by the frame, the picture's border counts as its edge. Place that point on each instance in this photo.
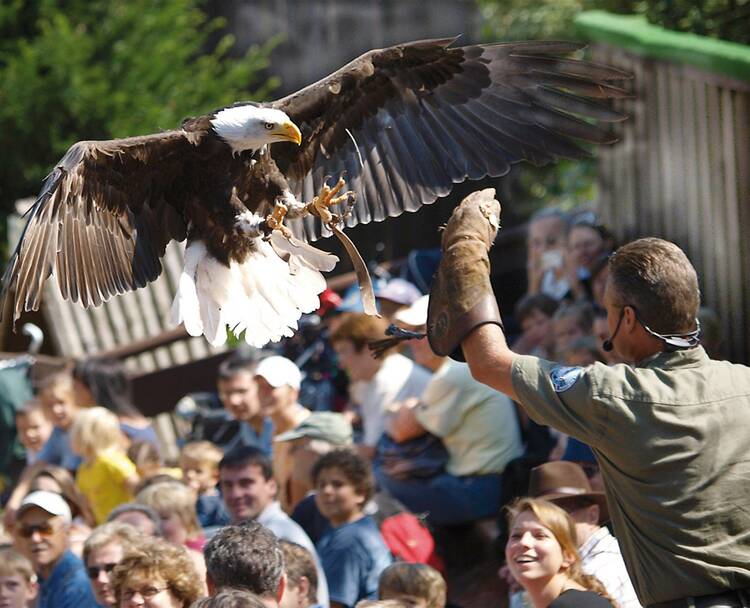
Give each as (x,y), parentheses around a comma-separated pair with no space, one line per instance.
(375,382)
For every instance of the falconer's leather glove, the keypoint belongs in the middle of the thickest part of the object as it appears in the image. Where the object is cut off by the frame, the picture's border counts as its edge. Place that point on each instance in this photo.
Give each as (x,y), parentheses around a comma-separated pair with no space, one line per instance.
(461,297)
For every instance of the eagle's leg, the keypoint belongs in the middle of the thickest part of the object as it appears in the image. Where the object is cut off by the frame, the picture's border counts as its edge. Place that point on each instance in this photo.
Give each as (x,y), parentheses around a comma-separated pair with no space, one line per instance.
(275,221)
(321,204)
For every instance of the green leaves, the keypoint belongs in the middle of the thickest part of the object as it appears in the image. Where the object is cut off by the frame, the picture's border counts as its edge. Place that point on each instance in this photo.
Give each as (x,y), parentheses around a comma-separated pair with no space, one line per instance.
(95,69)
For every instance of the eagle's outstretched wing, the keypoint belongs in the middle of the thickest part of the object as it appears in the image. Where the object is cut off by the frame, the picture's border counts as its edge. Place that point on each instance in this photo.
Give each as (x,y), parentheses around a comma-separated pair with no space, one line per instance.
(102,221)
(409,121)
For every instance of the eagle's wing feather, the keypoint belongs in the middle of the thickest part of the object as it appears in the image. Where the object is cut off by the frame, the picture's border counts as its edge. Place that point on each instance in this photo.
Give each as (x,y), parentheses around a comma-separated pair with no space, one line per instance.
(409,121)
(101,221)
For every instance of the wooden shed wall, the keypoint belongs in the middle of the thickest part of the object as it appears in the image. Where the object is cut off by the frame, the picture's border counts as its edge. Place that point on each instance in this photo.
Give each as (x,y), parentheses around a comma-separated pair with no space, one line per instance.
(682,172)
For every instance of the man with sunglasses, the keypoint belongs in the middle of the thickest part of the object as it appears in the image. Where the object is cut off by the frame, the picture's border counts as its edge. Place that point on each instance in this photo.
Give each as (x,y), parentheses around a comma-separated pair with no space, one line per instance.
(41,531)
(670,429)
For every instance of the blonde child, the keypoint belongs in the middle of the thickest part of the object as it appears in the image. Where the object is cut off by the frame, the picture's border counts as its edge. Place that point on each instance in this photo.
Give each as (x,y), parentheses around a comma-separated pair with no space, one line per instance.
(147,459)
(18,584)
(175,503)
(107,477)
(199,462)
(417,585)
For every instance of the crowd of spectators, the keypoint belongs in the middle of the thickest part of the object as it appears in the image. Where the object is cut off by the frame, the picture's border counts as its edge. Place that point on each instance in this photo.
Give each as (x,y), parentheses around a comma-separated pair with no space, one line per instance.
(285,505)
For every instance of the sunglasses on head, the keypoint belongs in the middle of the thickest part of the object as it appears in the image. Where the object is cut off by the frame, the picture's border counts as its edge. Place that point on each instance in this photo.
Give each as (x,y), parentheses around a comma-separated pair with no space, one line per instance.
(46,529)
(93,571)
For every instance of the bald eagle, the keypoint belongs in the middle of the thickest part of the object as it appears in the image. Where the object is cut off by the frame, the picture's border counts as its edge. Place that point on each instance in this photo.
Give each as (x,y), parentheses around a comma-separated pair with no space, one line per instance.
(247,185)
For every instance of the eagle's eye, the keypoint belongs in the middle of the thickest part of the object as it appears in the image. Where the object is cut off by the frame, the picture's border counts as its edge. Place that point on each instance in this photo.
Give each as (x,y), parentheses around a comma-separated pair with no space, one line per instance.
(269,125)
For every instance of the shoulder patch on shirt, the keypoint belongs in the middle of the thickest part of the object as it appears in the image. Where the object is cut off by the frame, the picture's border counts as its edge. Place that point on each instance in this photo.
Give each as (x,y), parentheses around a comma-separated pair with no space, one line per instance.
(563,377)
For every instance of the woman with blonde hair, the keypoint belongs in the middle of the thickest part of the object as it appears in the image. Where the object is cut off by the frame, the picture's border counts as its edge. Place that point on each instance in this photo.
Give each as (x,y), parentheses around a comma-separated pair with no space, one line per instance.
(541,554)
(157,574)
(107,477)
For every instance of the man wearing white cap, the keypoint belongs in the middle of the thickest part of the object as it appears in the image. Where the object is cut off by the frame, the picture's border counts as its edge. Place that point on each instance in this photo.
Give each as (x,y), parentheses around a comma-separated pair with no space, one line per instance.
(41,532)
(477,425)
(278,380)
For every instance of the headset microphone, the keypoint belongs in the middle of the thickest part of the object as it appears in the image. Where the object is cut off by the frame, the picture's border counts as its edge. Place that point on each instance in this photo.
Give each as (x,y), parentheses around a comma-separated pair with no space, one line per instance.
(607,345)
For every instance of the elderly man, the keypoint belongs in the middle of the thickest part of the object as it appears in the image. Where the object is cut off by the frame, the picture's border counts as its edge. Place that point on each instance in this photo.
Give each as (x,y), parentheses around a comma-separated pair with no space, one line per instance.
(670,431)
(41,534)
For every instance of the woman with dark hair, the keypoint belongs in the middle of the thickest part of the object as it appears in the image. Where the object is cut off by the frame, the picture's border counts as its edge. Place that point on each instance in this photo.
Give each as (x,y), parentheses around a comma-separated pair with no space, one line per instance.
(541,554)
(105,382)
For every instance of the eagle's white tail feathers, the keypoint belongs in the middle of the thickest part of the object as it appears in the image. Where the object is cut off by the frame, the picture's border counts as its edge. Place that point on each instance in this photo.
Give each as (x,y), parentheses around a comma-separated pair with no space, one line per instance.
(265,295)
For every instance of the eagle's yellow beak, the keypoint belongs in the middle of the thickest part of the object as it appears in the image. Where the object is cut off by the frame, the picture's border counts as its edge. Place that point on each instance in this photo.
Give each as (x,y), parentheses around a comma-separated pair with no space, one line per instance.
(289,131)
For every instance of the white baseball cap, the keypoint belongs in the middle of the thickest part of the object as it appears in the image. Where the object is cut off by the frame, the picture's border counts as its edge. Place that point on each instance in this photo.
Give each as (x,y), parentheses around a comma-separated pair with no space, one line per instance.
(279,371)
(52,503)
(415,315)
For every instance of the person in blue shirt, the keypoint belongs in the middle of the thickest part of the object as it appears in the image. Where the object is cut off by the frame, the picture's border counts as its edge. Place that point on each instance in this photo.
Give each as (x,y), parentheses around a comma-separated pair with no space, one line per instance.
(41,531)
(352,550)
(59,403)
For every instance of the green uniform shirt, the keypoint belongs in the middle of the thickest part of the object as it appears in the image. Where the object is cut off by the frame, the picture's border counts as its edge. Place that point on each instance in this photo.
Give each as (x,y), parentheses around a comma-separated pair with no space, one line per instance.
(672,436)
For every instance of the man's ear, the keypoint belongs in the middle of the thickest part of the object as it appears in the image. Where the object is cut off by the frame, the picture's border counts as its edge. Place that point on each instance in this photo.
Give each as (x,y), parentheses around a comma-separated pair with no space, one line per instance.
(304,588)
(210,585)
(629,320)
(282,587)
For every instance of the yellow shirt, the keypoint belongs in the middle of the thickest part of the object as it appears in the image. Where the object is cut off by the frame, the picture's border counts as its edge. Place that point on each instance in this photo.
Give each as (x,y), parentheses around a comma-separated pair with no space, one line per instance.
(102,482)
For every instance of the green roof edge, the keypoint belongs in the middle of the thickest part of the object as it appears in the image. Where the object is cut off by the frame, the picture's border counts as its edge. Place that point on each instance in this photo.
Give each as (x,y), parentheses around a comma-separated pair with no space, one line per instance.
(635,34)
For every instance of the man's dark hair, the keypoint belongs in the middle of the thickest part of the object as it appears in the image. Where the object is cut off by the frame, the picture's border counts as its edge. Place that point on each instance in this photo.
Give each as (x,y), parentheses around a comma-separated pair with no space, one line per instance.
(354,467)
(299,562)
(240,361)
(545,304)
(230,598)
(658,280)
(245,556)
(245,456)
(129,507)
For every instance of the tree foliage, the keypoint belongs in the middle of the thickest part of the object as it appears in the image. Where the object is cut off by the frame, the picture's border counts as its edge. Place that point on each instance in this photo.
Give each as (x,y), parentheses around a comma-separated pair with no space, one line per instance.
(725,19)
(95,69)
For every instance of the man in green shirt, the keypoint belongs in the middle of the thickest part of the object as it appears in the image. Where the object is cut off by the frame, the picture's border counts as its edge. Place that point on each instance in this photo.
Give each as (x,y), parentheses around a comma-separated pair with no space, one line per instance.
(671,431)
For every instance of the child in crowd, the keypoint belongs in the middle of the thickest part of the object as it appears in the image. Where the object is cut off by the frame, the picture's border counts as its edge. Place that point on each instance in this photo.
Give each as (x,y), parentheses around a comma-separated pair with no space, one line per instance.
(175,504)
(571,321)
(34,429)
(18,584)
(582,352)
(199,461)
(352,551)
(534,314)
(147,459)
(107,477)
(417,585)
(301,588)
(58,399)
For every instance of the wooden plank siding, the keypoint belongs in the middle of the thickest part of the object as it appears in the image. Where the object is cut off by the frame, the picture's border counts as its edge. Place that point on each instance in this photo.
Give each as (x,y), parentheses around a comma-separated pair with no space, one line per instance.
(682,172)
(79,332)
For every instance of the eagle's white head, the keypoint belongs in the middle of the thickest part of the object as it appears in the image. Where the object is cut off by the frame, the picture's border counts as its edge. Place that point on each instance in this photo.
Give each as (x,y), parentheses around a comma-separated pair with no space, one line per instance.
(250,127)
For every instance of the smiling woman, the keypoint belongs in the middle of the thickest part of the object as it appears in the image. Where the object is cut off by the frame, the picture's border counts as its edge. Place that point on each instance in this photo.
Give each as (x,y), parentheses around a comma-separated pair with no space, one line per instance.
(542,556)
(158,574)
